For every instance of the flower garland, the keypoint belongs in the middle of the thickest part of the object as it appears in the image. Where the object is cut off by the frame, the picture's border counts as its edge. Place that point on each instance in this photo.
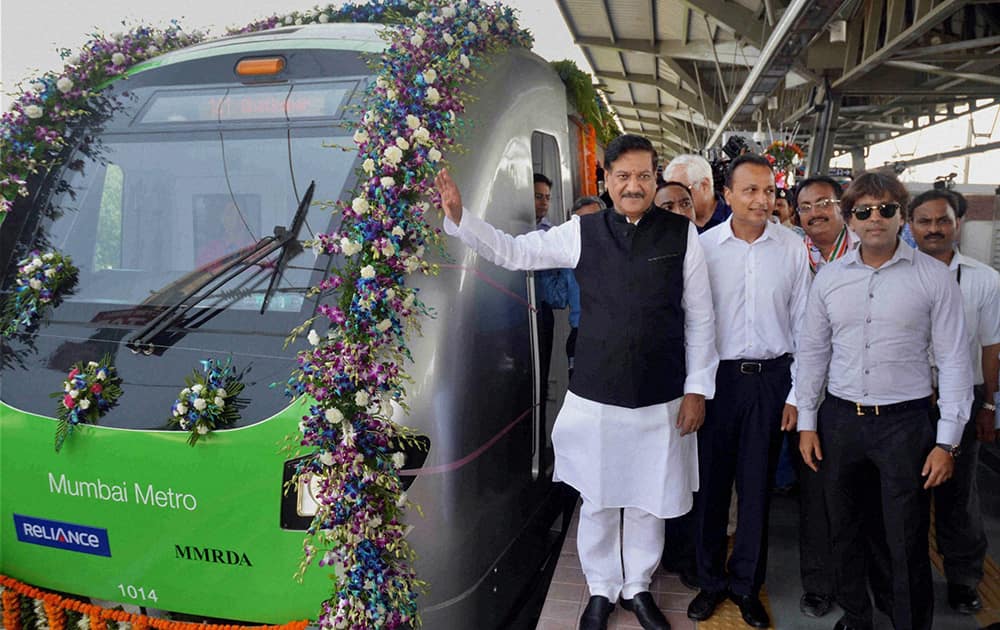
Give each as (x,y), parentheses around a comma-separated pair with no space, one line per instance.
(584,96)
(55,611)
(89,391)
(354,374)
(40,121)
(209,401)
(40,279)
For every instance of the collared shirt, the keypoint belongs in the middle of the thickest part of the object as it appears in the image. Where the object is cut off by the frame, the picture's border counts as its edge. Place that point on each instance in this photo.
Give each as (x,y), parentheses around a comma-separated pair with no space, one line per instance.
(846,241)
(869,331)
(560,247)
(759,290)
(719,215)
(980,286)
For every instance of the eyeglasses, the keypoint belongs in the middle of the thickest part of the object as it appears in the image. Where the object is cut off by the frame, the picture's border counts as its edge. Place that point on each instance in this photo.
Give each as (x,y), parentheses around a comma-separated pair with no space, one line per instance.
(540,196)
(821,204)
(886,210)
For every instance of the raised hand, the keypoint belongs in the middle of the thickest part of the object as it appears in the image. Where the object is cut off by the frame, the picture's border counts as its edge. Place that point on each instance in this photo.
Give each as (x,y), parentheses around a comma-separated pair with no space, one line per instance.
(451,197)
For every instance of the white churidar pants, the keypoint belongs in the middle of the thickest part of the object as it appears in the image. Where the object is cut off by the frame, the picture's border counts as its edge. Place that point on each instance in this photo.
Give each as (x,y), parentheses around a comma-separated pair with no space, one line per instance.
(618,559)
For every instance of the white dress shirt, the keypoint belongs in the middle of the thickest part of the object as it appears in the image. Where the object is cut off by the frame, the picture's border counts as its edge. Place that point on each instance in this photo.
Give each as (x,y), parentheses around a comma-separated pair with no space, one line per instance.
(869,331)
(980,286)
(615,456)
(759,290)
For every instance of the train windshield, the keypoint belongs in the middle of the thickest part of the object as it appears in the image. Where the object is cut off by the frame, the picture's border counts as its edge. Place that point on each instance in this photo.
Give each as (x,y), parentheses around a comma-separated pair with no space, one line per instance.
(167,186)
(179,190)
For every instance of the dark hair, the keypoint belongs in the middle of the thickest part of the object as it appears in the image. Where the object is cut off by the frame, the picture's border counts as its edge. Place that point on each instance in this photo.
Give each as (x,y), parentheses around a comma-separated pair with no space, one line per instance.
(781,193)
(934,193)
(746,158)
(872,184)
(674,183)
(838,190)
(586,201)
(624,144)
(541,179)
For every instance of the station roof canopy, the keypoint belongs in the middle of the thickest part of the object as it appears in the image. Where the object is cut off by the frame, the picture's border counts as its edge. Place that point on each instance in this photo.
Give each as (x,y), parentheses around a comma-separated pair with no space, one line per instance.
(683,71)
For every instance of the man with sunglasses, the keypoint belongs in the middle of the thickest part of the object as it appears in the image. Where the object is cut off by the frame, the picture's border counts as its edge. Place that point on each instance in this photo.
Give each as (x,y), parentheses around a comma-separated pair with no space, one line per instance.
(871,319)
(934,218)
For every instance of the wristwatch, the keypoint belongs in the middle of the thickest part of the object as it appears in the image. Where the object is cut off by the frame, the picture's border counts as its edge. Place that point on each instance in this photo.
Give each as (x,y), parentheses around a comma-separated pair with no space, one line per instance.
(951,449)
(988,406)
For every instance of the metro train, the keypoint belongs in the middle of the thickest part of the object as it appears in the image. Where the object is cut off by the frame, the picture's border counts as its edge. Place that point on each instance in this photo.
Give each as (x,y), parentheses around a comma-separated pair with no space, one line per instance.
(182,155)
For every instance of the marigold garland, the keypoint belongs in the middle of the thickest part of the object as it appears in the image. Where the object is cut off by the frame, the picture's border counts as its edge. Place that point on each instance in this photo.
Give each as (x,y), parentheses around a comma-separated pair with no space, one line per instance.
(57,606)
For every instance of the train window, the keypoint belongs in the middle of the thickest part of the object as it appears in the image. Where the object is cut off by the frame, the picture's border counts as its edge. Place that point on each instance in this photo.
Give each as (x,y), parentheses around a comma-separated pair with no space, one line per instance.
(322,100)
(545,160)
(254,103)
(183,106)
(108,245)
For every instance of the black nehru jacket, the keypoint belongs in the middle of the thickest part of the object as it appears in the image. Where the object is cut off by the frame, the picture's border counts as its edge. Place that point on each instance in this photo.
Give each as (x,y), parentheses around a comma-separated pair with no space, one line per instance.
(630,345)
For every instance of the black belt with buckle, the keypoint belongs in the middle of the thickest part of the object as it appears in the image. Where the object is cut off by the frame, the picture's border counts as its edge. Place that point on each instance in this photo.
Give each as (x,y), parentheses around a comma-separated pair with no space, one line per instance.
(756,366)
(880,410)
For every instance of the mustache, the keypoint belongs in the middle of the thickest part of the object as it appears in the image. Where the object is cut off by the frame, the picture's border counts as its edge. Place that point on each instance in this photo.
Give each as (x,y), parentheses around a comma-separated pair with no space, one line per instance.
(633,196)
(929,236)
(817,220)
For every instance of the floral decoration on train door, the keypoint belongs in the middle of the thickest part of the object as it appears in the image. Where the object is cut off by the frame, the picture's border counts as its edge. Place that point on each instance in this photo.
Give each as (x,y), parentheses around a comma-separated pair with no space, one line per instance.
(209,401)
(90,390)
(41,279)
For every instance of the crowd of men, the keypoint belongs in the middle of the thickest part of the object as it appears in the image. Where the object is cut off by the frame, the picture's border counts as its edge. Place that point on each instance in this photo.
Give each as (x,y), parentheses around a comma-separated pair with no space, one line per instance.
(727,330)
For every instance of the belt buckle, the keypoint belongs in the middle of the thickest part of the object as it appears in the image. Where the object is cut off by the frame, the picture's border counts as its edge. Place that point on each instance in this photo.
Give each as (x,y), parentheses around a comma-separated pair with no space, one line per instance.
(751,367)
(861,411)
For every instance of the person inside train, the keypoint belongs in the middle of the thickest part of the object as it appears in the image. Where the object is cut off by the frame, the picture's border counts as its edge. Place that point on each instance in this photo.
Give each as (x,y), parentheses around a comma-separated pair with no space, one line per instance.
(675,197)
(551,289)
(694,171)
(624,436)
(872,318)
(961,538)
(759,277)
(581,207)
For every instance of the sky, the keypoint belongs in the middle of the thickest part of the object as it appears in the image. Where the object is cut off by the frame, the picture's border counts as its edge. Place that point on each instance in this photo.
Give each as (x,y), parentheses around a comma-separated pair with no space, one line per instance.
(31,31)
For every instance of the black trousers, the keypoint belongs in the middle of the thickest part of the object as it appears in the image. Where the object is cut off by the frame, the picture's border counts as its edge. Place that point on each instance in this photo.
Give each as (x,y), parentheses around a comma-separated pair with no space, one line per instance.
(815,557)
(885,451)
(961,538)
(740,440)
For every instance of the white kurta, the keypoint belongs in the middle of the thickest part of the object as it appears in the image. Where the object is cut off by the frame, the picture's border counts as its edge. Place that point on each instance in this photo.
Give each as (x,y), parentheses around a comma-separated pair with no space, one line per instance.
(615,456)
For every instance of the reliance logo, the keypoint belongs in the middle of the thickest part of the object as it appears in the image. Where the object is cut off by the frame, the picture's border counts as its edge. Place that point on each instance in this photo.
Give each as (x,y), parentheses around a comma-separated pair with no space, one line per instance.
(68,536)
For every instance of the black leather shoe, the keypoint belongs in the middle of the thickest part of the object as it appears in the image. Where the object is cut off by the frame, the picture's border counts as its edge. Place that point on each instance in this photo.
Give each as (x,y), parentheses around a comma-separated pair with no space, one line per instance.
(752,610)
(595,615)
(705,603)
(646,611)
(815,604)
(964,599)
(841,625)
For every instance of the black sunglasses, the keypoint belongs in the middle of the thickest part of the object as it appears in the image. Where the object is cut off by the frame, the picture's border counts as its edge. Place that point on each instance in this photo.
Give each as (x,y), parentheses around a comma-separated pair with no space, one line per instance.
(887,210)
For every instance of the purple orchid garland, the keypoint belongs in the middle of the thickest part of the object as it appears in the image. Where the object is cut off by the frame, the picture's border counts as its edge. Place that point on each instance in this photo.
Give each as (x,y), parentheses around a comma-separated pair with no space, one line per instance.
(354,375)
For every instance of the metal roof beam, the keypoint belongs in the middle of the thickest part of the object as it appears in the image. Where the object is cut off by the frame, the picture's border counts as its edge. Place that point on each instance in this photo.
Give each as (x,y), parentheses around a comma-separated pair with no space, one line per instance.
(659,123)
(871,57)
(733,17)
(945,49)
(700,50)
(674,91)
(931,69)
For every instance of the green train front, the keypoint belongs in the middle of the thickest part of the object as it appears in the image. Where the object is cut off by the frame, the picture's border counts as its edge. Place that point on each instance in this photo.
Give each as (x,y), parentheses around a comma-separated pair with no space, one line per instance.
(185,165)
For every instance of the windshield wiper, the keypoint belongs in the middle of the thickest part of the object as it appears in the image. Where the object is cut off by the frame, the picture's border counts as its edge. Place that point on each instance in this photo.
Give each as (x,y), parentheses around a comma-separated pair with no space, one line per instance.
(286,247)
(142,340)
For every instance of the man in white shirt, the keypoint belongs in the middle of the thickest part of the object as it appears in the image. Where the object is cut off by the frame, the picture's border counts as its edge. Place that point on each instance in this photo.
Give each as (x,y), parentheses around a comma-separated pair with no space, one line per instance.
(872,317)
(961,539)
(645,363)
(760,277)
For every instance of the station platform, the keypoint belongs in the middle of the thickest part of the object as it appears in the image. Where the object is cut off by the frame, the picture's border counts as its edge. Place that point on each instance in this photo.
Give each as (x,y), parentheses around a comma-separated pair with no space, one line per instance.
(567,594)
